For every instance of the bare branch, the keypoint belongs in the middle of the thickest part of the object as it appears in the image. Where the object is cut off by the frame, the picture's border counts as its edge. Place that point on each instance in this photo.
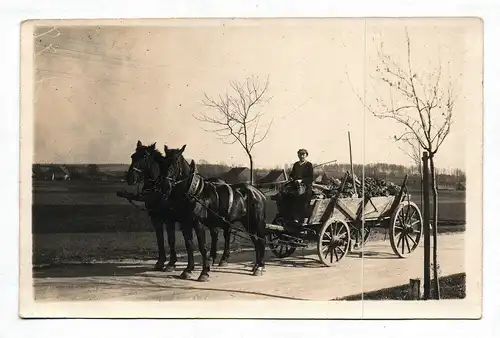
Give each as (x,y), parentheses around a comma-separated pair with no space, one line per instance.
(236,114)
(420,103)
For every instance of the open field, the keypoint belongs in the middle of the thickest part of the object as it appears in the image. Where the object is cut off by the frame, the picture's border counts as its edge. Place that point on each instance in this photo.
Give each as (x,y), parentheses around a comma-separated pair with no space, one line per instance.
(90,207)
(76,222)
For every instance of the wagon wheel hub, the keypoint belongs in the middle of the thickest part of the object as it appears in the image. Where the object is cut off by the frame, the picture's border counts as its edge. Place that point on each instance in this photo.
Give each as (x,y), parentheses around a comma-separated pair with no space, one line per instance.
(407,229)
(336,241)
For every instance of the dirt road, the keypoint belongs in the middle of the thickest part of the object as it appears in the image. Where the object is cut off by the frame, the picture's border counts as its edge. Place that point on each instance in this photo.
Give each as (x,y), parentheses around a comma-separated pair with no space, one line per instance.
(298,277)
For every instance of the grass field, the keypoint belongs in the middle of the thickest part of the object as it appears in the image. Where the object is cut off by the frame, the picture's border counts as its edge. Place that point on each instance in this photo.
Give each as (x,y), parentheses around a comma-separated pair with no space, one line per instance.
(86,221)
(91,207)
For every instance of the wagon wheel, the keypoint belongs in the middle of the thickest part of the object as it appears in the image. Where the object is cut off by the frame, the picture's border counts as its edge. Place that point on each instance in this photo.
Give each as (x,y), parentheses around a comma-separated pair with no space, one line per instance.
(333,241)
(280,245)
(405,229)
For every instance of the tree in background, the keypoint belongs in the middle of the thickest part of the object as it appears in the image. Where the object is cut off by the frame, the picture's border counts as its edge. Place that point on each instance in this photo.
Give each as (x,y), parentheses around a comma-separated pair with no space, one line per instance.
(236,116)
(422,102)
(92,171)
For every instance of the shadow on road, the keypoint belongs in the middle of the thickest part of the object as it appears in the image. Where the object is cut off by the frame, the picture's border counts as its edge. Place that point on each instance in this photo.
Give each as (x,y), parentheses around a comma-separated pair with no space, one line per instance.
(240,263)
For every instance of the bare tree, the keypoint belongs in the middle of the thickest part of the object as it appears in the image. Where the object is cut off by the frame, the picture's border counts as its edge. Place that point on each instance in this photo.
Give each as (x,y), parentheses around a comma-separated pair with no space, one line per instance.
(236,116)
(423,104)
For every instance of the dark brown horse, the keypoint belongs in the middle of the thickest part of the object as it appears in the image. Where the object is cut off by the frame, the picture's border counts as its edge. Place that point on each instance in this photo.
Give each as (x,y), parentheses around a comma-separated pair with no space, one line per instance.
(196,202)
(160,212)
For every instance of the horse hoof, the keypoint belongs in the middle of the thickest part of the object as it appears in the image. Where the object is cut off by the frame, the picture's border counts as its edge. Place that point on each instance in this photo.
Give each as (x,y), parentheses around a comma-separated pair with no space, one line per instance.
(258,272)
(223,263)
(170,268)
(158,267)
(186,275)
(203,278)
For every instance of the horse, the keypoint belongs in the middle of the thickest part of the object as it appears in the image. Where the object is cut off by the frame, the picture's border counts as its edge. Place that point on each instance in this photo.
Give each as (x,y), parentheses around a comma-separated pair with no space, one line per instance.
(161,214)
(198,202)
(158,212)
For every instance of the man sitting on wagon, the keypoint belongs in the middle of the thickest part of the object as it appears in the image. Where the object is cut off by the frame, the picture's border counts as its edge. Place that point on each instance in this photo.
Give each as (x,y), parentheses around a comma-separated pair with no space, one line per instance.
(302,174)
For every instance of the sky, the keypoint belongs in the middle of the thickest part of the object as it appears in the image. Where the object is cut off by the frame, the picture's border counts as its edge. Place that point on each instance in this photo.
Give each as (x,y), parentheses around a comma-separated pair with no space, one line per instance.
(99,89)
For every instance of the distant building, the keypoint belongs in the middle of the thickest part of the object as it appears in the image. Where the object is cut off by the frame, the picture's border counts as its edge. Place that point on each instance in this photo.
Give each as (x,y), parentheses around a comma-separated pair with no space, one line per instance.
(50,172)
(274,176)
(236,175)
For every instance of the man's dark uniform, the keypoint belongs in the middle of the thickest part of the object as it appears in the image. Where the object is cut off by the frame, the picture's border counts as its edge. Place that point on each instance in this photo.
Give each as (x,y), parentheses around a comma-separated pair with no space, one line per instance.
(304,172)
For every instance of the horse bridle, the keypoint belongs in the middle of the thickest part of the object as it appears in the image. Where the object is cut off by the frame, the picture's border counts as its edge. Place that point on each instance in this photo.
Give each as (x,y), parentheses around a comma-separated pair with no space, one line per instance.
(141,177)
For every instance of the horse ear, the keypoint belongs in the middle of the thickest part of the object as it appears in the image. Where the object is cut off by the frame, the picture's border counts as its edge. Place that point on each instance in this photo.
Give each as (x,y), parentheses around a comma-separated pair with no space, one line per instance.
(182,149)
(153,146)
(192,165)
(139,144)
(165,148)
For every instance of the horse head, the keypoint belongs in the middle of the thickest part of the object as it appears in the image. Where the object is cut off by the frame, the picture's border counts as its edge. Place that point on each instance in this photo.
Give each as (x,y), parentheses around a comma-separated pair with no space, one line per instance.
(145,164)
(176,166)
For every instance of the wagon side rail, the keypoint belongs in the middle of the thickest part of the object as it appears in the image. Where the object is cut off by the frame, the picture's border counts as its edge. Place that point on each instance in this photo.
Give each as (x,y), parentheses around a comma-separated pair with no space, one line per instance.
(387,212)
(399,197)
(333,202)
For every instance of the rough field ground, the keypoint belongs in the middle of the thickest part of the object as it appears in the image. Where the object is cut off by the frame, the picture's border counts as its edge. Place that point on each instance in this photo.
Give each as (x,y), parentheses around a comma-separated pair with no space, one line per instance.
(85,221)
(60,207)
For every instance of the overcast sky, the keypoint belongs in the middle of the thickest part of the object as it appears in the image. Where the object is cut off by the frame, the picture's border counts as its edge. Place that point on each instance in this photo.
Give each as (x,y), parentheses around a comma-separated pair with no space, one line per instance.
(100,89)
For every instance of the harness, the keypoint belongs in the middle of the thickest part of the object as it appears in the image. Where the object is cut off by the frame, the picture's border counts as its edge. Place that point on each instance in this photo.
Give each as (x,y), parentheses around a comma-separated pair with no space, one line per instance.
(195,188)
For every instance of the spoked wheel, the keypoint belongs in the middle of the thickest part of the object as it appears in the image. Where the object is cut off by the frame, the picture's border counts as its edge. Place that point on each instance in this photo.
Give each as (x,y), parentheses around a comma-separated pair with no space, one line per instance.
(279,244)
(333,242)
(405,229)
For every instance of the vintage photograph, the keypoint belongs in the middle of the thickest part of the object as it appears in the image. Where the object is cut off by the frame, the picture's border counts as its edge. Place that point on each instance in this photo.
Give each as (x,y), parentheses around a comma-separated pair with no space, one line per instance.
(237,168)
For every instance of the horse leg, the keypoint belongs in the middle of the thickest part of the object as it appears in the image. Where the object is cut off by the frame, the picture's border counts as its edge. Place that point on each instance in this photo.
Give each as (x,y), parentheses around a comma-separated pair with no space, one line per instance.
(258,225)
(247,225)
(200,234)
(162,258)
(187,233)
(257,253)
(227,239)
(214,234)
(171,243)
(260,248)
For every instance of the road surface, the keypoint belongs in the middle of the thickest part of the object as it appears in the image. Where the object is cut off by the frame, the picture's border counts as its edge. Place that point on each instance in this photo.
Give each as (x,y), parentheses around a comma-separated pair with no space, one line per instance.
(298,277)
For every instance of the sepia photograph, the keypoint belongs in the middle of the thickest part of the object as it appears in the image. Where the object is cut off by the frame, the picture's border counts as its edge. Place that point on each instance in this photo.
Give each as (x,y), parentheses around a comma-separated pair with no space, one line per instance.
(251,168)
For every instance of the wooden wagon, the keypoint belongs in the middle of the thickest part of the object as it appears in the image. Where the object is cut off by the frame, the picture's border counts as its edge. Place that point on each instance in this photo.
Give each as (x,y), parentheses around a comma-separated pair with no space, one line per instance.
(335,223)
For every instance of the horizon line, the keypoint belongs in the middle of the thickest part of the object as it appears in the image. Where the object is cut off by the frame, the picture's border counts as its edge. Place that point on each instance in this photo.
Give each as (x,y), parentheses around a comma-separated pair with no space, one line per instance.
(246,166)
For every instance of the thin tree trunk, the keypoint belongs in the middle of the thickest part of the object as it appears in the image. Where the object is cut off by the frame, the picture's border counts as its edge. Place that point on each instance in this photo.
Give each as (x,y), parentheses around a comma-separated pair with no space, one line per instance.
(437,294)
(251,168)
(427,240)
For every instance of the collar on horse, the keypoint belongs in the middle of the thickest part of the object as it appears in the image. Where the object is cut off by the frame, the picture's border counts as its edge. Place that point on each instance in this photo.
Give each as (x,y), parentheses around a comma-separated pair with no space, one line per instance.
(196,184)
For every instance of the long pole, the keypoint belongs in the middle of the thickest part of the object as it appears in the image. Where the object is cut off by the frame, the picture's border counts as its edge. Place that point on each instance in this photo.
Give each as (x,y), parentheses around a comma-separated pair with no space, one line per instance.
(352,166)
(427,237)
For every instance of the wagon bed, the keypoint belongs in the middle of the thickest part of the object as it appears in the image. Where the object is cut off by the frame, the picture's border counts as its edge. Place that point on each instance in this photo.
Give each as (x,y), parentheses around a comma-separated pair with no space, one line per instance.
(349,209)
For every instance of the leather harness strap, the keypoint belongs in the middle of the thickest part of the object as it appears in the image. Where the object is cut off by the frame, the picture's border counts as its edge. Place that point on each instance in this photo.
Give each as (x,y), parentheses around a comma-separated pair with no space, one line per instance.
(197,185)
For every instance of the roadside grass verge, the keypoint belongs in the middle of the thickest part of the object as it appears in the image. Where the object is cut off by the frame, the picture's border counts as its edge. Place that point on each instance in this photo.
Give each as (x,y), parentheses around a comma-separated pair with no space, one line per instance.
(452,287)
